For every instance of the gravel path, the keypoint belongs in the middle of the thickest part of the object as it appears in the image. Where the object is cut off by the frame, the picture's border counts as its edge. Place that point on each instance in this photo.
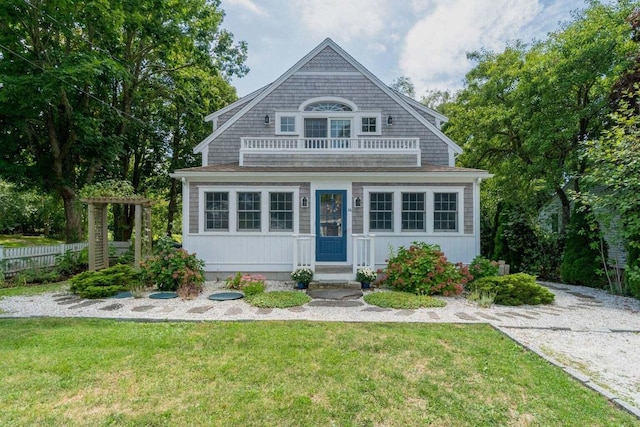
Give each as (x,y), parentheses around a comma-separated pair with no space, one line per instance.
(593,335)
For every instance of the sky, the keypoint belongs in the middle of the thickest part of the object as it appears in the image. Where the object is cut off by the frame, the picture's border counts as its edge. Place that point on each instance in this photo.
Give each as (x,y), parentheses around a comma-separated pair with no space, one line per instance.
(425,40)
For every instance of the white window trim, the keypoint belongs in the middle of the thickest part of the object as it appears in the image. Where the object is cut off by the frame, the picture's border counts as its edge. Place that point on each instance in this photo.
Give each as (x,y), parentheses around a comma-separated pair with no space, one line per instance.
(397,209)
(363,115)
(296,121)
(336,99)
(233,209)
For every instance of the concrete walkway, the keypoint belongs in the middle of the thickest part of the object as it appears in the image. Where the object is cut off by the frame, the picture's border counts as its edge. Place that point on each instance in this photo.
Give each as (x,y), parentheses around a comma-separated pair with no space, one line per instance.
(592,335)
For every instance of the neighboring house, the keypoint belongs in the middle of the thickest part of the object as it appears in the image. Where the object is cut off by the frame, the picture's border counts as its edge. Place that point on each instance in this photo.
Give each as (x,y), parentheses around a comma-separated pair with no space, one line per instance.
(326,167)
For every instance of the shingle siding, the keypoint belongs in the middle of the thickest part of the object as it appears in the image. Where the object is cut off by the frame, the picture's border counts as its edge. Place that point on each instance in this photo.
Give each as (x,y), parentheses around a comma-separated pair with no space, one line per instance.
(299,88)
(282,159)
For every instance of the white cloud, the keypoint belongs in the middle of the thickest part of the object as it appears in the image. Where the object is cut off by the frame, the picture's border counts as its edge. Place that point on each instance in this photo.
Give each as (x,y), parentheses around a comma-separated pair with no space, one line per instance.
(434,50)
(344,20)
(249,5)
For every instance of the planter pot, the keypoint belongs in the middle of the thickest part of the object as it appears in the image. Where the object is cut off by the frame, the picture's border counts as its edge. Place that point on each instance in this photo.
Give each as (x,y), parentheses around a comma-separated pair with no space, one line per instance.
(302,285)
(365,285)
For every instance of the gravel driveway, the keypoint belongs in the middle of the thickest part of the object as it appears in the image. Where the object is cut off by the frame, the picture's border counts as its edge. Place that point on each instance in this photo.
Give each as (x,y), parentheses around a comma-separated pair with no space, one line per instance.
(593,335)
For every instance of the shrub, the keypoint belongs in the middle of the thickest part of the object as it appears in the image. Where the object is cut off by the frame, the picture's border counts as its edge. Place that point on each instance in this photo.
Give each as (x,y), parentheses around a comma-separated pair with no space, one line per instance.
(484,299)
(582,263)
(242,282)
(254,288)
(424,270)
(69,264)
(172,267)
(104,283)
(278,299)
(189,290)
(402,300)
(482,267)
(514,289)
(302,275)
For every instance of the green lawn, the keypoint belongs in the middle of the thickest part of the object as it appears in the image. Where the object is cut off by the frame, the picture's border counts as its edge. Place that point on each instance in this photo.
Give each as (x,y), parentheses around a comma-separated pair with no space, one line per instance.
(19,241)
(67,372)
(7,290)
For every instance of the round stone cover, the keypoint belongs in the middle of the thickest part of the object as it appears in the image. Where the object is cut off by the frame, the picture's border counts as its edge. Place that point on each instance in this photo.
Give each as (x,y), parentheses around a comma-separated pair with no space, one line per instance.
(225,296)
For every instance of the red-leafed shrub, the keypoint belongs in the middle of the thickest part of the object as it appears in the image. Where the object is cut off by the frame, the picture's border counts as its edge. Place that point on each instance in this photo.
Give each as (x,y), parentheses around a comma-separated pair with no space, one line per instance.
(424,270)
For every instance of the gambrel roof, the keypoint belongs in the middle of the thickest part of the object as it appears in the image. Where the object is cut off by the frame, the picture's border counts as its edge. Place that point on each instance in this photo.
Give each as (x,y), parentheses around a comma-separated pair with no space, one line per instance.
(249,101)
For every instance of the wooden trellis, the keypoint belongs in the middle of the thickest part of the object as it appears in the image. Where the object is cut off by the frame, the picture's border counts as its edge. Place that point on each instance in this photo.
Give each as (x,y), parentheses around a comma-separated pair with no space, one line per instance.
(98,238)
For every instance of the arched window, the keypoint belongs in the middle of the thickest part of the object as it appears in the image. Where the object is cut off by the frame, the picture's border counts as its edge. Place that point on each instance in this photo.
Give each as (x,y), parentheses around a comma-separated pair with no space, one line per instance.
(328,106)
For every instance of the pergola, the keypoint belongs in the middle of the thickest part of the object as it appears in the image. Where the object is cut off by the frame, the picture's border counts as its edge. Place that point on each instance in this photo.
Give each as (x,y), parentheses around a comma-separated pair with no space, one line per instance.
(98,238)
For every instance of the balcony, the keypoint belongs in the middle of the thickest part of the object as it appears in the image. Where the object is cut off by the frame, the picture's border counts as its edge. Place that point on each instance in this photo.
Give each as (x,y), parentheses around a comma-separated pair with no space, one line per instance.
(300,152)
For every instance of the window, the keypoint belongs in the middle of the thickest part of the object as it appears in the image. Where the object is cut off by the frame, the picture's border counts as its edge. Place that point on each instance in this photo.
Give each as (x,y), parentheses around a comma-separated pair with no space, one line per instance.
(281,212)
(555,222)
(445,212)
(413,212)
(369,125)
(216,211)
(327,106)
(315,128)
(287,124)
(381,211)
(249,211)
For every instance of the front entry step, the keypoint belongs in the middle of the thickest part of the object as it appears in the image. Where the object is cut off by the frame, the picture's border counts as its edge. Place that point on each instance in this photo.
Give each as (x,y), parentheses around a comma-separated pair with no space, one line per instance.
(335,294)
(334,284)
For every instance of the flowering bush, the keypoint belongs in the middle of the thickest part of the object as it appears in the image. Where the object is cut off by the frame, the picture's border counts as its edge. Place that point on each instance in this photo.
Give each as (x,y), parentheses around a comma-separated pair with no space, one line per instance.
(302,275)
(172,268)
(424,270)
(246,282)
(482,267)
(366,275)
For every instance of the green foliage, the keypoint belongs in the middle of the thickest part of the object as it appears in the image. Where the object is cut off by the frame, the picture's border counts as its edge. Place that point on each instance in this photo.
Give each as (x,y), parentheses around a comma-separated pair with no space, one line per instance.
(402,300)
(108,188)
(35,275)
(515,237)
(241,281)
(278,299)
(366,275)
(424,270)
(582,263)
(484,299)
(29,211)
(632,271)
(171,267)
(104,283)
(70,263)
(254,288)
(482,267)
(302,275)
(514,289)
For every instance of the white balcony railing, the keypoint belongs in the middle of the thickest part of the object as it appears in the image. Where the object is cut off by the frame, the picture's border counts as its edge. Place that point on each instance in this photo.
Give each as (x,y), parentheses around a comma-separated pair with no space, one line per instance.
(354,144)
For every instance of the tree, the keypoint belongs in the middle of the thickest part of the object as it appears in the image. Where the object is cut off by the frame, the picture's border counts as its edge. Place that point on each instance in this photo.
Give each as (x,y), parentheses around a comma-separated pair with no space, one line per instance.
(404,85)
(525,113)
(98,78)
(437,99)
(614,166)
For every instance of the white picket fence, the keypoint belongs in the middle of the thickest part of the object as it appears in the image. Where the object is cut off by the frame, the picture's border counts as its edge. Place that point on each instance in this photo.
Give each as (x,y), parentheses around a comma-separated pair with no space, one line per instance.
(15,260)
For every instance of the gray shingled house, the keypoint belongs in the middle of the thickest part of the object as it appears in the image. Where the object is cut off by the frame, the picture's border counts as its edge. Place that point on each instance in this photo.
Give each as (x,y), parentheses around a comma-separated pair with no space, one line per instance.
(326,167)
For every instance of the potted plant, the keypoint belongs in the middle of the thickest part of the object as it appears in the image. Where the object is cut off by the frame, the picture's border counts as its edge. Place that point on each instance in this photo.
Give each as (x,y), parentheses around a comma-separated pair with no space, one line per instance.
(365,276)
(302,275)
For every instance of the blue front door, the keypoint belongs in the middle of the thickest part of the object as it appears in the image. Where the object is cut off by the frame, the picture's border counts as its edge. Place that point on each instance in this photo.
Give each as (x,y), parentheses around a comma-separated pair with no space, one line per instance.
(331,225)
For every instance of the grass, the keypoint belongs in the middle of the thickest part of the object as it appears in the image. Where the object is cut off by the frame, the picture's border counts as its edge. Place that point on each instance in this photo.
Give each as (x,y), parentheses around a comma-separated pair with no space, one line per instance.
(13,291)
(72,372)
(278,299)
(19,241)
(402,300)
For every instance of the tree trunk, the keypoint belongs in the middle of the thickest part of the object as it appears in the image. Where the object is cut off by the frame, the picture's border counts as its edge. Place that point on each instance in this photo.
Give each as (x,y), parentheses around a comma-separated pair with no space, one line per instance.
(73,220)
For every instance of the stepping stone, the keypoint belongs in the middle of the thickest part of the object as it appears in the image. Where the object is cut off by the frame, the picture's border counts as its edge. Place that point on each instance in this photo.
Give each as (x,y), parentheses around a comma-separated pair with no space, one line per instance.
(143,308)
(505,315)
(66,298)
(233,311)
(485,316)
(166,309)
(514,313)
(297,309)
(61,294)
(552,313)
(335,294)
(225,296)
(581,295)
(404,312)
(264,311)
(433,315)
(124,294)
(201,309)
(112,307)
(163,295)
(85,304)
(339,304)
(376,309)
(465,316)
(558,288)
(70,301)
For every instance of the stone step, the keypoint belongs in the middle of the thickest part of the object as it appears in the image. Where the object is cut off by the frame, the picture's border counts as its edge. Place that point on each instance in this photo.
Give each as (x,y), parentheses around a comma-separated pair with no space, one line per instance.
(338,284)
